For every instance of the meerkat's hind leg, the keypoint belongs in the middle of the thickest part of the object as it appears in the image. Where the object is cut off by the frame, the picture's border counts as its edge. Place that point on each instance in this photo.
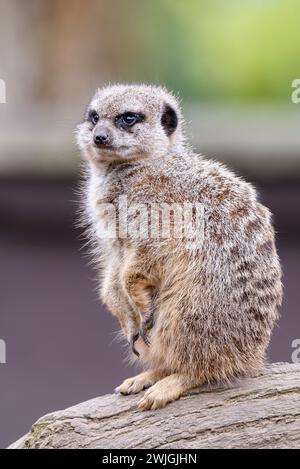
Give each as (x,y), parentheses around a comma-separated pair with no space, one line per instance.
(167,390)
(138,383)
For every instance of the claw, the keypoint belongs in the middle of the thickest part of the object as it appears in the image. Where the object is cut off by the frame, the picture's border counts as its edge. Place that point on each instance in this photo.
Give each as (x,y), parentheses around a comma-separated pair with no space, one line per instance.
(144,336)
(132,341)
(146,326)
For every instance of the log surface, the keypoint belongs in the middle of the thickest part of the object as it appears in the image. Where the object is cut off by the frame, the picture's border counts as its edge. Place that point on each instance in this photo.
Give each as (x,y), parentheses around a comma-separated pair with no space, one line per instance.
(258,412)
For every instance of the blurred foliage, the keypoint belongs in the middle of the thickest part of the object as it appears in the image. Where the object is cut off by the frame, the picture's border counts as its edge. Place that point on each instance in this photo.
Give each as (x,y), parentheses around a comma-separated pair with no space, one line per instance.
(223,50)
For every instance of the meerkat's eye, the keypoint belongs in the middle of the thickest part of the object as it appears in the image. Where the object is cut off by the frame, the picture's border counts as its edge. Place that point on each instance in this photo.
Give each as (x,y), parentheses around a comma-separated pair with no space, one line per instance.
(128,119)
(94,117)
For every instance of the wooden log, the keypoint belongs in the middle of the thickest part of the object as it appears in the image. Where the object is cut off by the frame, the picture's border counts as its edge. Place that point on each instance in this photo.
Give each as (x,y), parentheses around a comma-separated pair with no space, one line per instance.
(258,412)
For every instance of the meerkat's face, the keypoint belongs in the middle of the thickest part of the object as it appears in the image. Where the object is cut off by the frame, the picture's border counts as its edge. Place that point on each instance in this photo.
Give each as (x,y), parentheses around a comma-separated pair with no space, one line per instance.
(125,122)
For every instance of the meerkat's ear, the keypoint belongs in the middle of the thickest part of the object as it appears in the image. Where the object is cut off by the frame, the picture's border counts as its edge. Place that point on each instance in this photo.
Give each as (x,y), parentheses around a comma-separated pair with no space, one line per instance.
(169,119)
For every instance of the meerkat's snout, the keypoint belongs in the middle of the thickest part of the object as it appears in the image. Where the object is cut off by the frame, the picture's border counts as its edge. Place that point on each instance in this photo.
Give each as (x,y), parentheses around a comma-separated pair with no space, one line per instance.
(102,137)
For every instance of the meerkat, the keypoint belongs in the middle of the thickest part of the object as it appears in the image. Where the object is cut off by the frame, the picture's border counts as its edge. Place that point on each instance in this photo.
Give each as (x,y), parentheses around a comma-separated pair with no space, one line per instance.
(192,314)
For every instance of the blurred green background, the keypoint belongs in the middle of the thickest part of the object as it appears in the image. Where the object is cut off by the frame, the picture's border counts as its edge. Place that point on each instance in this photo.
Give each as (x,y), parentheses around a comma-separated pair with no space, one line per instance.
(233,51)
(231,62)
(213,50)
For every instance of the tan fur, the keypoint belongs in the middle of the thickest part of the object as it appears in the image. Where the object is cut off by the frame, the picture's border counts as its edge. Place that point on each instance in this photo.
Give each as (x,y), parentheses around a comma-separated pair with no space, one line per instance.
(207,312)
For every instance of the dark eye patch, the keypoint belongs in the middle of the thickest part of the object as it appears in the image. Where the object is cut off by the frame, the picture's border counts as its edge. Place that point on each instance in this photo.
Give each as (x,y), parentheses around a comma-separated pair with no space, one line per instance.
(92,116)
(128,119)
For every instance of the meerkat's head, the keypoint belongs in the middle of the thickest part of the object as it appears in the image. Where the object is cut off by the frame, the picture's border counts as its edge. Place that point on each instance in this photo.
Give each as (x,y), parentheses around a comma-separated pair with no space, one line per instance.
(126,122)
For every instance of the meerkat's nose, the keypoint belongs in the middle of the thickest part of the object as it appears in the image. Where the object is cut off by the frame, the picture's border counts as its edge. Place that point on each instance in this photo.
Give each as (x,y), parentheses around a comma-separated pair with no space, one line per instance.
(101,137)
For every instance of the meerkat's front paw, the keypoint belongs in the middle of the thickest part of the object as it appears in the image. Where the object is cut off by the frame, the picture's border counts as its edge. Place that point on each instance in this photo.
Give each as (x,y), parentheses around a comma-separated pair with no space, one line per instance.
(138,383)
(164,391)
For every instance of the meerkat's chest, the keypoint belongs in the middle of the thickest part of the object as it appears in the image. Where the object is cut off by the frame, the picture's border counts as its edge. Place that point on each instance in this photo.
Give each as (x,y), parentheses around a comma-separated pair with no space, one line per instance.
(101,212)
